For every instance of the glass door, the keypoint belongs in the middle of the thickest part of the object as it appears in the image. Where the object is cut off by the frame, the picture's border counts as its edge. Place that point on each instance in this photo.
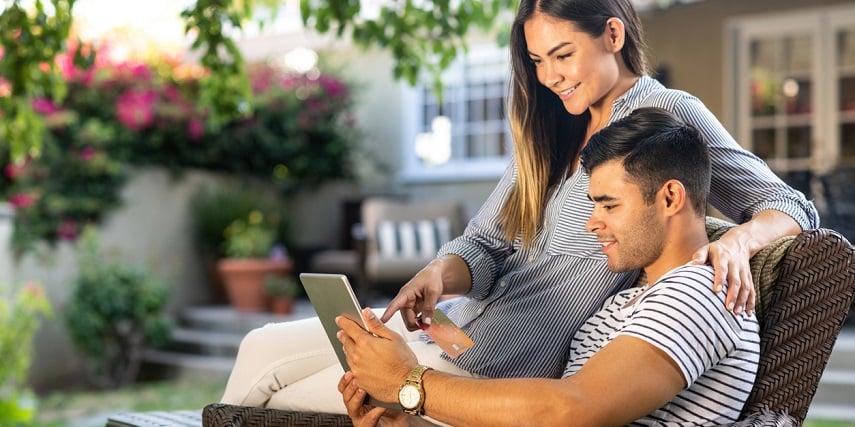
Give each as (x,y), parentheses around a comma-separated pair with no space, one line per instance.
(776,91)
(844,60)
(781,88)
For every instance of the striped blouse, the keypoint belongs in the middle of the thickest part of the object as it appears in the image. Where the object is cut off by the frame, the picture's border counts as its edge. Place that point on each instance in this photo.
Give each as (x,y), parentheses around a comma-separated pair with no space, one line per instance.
(526,304)
(716,350)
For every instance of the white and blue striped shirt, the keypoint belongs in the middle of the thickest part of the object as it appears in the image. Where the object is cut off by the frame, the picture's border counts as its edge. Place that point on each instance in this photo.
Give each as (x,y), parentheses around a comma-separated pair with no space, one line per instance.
(716,350)
(526,304)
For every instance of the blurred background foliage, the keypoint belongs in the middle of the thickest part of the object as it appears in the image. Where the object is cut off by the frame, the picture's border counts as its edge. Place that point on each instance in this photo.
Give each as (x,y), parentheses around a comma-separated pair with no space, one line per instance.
(73,120)
(117,115)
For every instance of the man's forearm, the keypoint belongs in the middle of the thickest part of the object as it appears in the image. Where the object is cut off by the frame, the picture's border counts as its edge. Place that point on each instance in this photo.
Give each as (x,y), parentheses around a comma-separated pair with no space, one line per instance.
(464,401)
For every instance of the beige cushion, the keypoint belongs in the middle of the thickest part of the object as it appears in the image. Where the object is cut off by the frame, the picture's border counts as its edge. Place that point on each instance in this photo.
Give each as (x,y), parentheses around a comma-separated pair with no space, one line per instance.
(387,266)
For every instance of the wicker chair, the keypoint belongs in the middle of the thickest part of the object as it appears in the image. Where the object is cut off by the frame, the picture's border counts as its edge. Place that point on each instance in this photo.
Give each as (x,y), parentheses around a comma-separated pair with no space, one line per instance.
(805,286)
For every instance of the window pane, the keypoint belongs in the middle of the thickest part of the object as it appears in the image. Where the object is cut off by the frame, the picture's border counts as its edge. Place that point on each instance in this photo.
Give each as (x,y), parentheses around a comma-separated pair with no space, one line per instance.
(797,95)
(764,143)
(798,54)
(847,140)
(847,93)
(764,83)
(798,142)
(475,108)
(846,47)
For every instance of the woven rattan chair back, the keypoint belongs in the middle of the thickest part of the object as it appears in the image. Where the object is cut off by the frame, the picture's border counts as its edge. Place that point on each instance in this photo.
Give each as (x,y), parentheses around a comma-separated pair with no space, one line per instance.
(804,311)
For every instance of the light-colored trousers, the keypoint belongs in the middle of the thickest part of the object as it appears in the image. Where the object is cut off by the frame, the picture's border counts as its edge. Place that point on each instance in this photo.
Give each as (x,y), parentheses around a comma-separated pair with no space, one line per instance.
(292,365)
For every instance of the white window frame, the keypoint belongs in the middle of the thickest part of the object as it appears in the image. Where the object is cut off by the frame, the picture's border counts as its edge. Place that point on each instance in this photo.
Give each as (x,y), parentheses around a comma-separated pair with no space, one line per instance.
(820,23)
(457,169)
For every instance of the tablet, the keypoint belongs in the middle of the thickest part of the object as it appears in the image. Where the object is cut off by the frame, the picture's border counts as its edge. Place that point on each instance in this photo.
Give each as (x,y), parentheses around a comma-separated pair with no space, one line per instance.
(332,296)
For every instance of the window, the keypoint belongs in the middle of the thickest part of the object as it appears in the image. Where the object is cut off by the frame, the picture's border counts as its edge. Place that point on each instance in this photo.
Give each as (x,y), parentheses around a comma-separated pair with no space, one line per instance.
(466,137)
(792,92)
(793,88)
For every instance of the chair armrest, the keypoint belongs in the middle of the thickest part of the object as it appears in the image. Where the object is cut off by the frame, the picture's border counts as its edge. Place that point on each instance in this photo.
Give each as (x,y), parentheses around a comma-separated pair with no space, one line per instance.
(223,415)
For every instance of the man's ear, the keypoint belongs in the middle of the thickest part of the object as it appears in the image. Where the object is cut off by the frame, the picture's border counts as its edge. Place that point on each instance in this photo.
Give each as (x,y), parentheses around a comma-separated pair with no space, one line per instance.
(615,34)
(673,195)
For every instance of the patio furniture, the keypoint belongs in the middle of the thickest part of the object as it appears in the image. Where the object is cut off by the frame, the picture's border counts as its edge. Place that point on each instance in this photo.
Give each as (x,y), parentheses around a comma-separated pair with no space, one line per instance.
(394,239)
(805,286)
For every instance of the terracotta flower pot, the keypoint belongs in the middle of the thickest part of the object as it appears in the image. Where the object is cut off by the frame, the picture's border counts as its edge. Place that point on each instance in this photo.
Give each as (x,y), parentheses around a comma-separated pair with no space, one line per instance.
(244,280)
(281,305)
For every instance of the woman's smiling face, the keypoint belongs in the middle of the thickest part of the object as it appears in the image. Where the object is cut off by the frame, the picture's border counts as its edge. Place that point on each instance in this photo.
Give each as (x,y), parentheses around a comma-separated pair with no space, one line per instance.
(581,70)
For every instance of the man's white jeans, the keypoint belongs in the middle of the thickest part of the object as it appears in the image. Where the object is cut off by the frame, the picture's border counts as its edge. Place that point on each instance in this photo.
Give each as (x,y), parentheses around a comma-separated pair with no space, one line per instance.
(292,365)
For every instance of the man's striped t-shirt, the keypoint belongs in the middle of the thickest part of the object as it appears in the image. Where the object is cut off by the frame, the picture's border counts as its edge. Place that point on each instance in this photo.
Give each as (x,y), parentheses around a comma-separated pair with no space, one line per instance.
(716,350)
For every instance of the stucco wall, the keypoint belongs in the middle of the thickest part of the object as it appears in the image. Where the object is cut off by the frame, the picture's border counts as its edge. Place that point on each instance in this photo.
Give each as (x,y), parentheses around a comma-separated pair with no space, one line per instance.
(151,231)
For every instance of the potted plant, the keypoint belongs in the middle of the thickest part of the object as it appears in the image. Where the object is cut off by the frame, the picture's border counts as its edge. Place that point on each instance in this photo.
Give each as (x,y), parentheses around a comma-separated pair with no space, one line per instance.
(282,291)
(251,255)
(215,208)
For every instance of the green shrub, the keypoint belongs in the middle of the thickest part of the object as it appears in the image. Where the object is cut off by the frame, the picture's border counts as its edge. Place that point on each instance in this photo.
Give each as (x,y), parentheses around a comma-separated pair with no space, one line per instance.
(19,319)
(115,312)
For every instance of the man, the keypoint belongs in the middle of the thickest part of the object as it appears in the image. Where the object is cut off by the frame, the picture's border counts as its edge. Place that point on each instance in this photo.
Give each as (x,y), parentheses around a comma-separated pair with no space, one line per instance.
(668,352)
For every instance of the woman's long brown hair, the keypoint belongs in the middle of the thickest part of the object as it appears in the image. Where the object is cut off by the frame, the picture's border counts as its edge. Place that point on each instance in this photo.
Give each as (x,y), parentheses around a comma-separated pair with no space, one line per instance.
(546,138)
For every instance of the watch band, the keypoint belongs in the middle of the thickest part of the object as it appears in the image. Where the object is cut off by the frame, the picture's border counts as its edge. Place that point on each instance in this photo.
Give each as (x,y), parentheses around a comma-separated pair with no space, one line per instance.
(415,379)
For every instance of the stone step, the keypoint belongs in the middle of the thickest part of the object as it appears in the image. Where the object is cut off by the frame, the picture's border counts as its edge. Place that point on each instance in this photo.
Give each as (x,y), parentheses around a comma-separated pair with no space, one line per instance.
(212,343)
(185,361)
(831,412)
(843,356)
(835,395)
(836,391)
(836,388)
(226,319)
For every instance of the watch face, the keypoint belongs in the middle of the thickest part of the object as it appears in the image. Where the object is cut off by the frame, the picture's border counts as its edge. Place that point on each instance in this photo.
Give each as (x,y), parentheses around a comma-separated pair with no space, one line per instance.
(409,396)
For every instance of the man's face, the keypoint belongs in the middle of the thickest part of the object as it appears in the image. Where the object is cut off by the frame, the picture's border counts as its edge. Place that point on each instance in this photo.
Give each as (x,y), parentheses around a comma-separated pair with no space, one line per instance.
(629,230)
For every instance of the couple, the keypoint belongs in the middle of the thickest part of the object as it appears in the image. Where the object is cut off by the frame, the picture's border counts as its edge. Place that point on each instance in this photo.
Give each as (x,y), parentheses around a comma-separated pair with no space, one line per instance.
(530,271)
(665,353)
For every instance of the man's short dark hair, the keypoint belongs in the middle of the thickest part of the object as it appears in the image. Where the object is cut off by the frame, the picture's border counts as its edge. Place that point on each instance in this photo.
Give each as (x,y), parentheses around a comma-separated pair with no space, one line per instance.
(654,146)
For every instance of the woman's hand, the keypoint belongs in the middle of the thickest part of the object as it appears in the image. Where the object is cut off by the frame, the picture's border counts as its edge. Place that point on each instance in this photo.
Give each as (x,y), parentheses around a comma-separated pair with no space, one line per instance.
(730,255)
(418,296)
(364,415)
(730,260)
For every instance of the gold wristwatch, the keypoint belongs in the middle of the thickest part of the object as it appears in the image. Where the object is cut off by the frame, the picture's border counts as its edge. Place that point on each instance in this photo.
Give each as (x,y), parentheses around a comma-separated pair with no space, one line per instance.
(411,395)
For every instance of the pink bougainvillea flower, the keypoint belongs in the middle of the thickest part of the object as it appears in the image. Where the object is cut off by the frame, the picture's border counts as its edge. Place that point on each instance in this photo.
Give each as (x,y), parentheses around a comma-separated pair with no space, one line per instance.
(14,170)
(171,93)
(260,78)
(290,81)
(141,72)
(88,153)
(67,229)
(195,129)
(22,200)
(5,87)
(44,106)
(333,86)
(316,106)
(34,289)
(135,109)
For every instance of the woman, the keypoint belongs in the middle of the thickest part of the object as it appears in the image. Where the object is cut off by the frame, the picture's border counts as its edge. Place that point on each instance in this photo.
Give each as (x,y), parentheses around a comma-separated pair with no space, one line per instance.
(530,272)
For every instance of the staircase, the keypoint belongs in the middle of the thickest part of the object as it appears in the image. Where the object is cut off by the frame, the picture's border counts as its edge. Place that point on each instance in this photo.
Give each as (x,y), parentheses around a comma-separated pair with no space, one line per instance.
(206,338)
(835,396)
